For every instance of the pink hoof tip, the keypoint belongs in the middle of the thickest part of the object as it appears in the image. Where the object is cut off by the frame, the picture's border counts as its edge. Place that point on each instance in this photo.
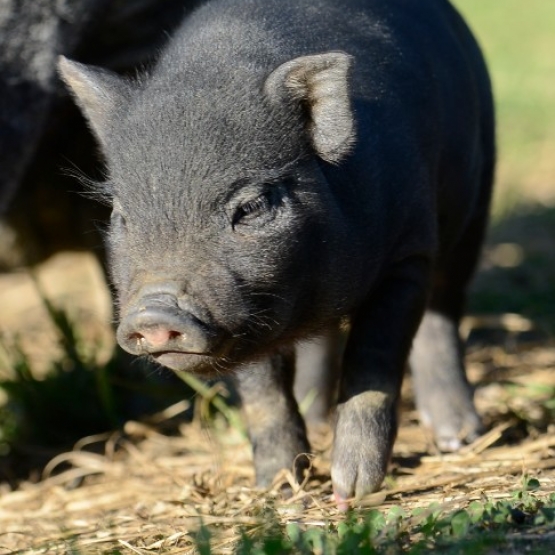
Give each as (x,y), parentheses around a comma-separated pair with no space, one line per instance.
(342,502)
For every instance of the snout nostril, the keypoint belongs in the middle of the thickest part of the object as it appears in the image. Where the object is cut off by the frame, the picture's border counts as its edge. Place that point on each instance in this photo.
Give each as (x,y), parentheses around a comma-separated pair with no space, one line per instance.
(137,338)
(156,329)
(154,337)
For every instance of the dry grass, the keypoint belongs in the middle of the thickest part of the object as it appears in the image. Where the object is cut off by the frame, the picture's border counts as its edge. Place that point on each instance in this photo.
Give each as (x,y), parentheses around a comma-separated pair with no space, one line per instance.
(145,492)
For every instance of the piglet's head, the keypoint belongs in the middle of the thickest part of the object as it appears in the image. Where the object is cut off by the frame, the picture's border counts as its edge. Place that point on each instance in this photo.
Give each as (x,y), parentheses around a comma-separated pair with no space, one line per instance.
(223,226)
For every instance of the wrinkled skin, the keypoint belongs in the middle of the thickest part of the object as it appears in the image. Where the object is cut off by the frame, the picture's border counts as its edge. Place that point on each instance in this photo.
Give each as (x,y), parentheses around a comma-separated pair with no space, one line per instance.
(289,165)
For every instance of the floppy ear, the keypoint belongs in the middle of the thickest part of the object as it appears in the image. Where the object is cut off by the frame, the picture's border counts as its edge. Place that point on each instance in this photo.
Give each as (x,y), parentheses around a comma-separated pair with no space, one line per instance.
(98,93)
(320,83)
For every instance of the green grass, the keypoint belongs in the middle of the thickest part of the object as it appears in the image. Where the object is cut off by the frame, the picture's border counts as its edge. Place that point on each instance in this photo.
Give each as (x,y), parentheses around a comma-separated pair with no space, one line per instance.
(518,39)
(482,527)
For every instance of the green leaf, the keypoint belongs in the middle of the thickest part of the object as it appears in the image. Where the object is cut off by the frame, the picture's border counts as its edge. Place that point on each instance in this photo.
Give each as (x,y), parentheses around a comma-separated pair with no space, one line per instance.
(375,520)
(460,523)
(293,532)
(475,511)
(395,514)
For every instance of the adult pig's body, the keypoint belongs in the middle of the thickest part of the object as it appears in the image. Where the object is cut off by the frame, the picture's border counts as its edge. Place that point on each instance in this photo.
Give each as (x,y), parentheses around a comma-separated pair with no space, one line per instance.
(287,164)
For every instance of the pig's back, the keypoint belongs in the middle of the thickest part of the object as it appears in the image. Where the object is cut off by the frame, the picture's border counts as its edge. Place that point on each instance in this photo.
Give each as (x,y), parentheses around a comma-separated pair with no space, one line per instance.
(419,86)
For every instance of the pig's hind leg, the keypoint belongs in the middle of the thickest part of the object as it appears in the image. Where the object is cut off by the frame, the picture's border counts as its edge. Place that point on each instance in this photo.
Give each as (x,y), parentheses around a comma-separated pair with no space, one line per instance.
(443,395)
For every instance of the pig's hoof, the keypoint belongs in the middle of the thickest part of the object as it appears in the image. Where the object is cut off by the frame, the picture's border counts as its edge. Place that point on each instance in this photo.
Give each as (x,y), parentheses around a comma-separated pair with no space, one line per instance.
(451,434)
(342,502)
(271,458)
(364,435)
(453,421)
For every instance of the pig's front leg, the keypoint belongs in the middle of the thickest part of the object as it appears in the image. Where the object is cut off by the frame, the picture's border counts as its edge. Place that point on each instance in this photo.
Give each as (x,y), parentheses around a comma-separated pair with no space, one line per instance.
(375,357)
(276,428)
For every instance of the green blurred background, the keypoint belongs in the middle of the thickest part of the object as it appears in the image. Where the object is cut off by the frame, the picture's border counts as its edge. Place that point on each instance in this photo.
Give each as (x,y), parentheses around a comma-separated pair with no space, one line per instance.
(518,270)
(518,39)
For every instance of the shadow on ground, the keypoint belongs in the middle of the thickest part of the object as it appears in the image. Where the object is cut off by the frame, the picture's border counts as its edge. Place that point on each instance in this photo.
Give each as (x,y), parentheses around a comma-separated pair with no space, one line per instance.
(517,274)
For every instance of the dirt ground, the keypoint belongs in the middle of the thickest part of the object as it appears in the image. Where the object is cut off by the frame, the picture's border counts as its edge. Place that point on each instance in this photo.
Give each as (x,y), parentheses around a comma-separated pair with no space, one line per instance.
(70,280)
(141,491)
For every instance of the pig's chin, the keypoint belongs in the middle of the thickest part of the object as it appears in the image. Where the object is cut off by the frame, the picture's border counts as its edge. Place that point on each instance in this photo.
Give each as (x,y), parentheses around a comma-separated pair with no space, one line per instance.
(201,365)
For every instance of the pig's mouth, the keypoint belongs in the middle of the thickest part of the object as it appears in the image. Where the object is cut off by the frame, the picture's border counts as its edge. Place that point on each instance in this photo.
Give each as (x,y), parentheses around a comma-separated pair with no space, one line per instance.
(174,338)
(196,363)
(182,341)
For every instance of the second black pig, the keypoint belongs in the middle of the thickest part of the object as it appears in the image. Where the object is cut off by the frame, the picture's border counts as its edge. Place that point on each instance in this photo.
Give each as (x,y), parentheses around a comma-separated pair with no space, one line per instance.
(289,164)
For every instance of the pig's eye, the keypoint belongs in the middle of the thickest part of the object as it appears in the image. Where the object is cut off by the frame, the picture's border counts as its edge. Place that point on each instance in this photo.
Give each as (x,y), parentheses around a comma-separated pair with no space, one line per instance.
(256,212)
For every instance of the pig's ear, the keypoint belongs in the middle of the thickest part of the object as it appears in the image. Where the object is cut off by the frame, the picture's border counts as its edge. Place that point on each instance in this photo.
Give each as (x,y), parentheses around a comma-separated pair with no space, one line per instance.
(97,92)
(320,84)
